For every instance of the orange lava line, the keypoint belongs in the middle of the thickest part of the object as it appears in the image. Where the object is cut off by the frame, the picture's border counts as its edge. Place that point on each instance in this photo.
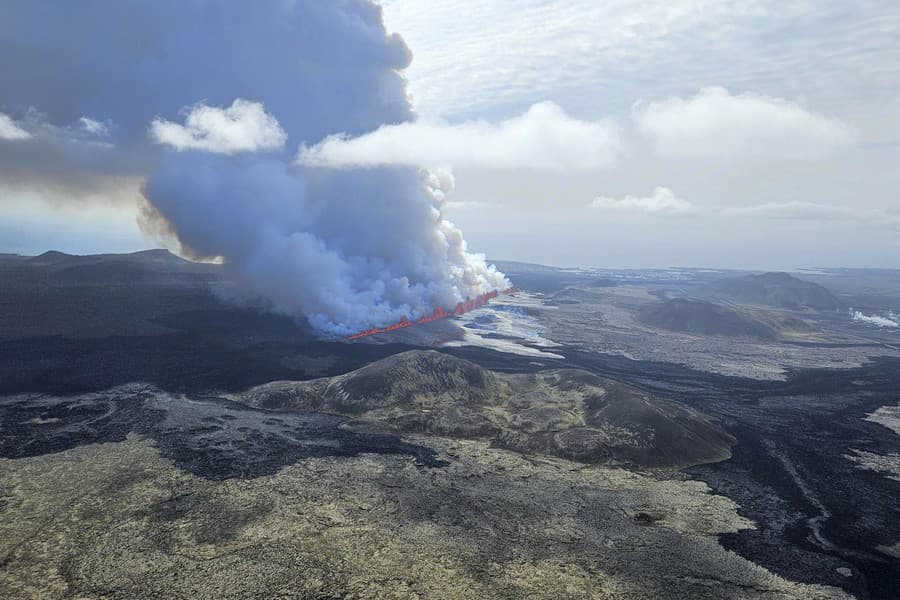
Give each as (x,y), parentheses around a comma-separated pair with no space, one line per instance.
(438,313)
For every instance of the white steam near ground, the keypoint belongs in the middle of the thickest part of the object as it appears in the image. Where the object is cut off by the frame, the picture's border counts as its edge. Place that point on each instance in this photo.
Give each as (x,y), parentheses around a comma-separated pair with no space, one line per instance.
(891,320)
(208,112)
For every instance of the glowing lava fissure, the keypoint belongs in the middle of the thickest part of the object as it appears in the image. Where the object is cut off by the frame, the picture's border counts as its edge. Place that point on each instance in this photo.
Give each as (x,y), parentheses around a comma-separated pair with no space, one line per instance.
(438,313)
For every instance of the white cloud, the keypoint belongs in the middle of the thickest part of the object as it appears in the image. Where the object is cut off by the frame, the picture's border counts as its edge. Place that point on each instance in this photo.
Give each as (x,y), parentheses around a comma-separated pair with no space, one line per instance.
(543,138)
(716,123)
(10,131)
(712,124)
(661,201)
(92,126)
(245,126)
(813,211)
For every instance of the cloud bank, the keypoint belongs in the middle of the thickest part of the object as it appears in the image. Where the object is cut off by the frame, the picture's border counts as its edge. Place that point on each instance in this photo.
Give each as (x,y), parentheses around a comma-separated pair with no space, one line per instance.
(542,138)
(712,124)
(716,124)
(797,210)
(813,211)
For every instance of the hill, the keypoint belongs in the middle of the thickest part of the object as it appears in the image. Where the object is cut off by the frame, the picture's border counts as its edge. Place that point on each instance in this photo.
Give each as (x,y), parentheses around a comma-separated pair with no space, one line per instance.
(51,257)
(563,412)
(706,318)
(779,290)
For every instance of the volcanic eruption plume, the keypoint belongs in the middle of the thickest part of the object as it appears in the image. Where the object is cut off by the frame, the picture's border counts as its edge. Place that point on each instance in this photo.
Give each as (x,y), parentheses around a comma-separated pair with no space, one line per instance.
(207,102)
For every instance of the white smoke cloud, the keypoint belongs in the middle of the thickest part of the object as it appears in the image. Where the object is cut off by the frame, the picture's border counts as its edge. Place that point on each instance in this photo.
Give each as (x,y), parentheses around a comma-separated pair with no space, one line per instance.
(242,127)
(716,123)
(891,320)
(661,201)
(542,138)
(9,130)
(346,249)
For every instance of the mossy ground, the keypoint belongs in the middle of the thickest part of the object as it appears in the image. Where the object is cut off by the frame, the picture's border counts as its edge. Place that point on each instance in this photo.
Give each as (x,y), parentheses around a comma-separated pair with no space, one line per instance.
(117,520)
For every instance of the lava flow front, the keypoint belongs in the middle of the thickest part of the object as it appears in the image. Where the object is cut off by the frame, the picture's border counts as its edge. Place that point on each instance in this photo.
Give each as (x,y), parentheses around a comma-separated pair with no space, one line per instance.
(438,313)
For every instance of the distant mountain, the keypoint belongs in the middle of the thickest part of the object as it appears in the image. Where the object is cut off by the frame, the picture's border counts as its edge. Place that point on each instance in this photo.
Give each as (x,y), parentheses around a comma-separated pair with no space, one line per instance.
(51,257)
(706,318)
(56,293)
(157,256)
(780,290)
(146,266)
(564,412)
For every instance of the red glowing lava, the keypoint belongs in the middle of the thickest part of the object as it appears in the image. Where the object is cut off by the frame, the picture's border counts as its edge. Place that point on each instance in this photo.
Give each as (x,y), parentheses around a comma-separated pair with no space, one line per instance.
(438,313)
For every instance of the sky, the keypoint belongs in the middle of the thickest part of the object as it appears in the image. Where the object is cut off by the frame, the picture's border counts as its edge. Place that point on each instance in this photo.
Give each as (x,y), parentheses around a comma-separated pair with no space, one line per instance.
(625,133)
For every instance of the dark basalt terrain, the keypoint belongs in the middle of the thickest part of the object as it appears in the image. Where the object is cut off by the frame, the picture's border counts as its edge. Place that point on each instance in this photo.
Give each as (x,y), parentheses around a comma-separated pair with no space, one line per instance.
(814,510)
(568,413)
(146,453)
(706,318)
(208,437)
(779,290)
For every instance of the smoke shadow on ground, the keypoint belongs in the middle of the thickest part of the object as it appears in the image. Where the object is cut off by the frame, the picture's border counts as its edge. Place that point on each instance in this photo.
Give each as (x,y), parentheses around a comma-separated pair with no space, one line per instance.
(179,362)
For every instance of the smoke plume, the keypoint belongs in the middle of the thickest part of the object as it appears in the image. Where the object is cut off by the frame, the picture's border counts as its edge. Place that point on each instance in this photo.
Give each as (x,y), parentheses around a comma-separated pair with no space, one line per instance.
(208,102)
